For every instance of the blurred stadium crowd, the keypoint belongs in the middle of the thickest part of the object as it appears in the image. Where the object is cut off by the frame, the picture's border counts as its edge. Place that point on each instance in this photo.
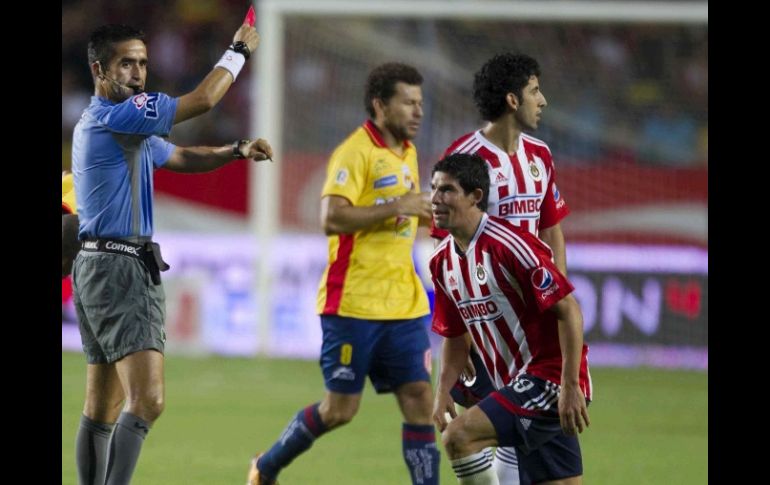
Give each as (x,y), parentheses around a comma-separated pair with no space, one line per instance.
(632,93)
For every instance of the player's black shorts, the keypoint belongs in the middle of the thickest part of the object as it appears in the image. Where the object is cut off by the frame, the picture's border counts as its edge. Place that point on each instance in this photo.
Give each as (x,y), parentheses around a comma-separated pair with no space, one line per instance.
(524,414)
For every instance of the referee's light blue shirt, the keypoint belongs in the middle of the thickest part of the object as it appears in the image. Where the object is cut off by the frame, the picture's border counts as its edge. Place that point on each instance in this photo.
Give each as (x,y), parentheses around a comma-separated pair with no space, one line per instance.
(115,148)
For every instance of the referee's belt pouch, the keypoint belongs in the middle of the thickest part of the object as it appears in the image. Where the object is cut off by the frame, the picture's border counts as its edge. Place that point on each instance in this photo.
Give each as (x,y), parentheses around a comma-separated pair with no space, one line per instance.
(154,261)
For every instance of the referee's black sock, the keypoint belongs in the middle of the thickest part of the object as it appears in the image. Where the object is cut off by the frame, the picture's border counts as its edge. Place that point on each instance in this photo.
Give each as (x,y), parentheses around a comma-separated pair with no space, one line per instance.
(125,445)
(91,450)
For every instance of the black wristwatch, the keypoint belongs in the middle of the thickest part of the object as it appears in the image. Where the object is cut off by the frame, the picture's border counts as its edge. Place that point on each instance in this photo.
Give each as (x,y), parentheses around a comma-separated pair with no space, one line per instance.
(237,148)
(241,48)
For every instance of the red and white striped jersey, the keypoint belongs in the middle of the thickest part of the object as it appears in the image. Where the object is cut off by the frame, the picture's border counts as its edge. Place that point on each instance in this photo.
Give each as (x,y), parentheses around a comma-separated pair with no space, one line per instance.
(500,291)
(522,186)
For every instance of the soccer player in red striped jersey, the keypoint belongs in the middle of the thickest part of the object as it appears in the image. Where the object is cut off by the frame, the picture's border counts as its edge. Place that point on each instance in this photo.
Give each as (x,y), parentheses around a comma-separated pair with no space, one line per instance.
(523,191)
(506,90)
(499,284)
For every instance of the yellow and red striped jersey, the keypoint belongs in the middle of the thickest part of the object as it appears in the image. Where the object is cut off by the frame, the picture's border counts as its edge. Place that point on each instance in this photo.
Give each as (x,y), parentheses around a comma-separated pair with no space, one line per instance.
(371,274)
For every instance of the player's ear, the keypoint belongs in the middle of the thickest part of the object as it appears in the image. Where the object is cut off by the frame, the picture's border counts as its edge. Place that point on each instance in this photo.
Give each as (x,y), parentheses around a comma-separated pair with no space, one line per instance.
(512,101)
(378,105)
(96,69)
(478,194)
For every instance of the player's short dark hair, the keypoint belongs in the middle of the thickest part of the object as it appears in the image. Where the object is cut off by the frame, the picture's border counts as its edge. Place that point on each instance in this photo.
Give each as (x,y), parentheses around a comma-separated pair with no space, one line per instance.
(471,173)
(101,44)
(381,82)
(503,74)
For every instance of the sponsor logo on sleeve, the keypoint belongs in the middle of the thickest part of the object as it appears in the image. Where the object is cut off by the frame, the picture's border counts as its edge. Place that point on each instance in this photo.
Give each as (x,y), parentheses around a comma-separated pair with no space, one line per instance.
(147,101)
(342,176)
(557,197)
(139,100)
(542,278)
(152,107)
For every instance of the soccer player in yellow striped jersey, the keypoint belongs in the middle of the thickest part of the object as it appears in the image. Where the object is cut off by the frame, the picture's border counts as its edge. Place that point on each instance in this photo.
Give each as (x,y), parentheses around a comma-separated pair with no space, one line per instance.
(371,301)
(69,224)
(370,274)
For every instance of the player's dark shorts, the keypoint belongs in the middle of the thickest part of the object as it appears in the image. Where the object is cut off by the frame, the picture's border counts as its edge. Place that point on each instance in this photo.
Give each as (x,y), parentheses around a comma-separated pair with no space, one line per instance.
(120,311)
(524,415)
(390,352)
(467,395)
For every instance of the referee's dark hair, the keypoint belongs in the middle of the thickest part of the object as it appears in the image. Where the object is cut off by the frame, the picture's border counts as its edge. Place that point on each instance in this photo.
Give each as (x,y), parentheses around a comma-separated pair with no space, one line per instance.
(101,44)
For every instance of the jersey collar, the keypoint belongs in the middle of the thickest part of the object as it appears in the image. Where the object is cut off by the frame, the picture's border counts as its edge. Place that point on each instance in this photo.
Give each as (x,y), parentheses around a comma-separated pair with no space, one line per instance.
(476,235)
(376,135)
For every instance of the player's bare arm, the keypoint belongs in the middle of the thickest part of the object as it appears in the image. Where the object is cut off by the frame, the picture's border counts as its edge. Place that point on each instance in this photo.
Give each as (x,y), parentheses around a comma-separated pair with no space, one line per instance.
(454,356)
(554,238)
(572,404)
(339,216)
(214,86)
(205,159)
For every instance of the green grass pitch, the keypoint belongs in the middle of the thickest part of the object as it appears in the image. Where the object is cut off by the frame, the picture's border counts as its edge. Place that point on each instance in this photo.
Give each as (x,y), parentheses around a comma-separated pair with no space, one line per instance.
(647,426)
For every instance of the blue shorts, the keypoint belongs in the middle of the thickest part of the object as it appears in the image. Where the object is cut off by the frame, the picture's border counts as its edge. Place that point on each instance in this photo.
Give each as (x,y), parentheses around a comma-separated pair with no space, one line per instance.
(467,395)
(524,414)
(391,353)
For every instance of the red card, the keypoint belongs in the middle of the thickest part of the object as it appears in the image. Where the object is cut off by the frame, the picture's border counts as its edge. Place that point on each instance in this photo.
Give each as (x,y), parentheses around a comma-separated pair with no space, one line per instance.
(251,17)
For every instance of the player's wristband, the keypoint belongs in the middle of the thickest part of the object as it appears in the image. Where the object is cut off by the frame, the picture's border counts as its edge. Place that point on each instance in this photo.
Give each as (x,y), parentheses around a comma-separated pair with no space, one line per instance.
(237,148)
(241,48)
(232,61)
